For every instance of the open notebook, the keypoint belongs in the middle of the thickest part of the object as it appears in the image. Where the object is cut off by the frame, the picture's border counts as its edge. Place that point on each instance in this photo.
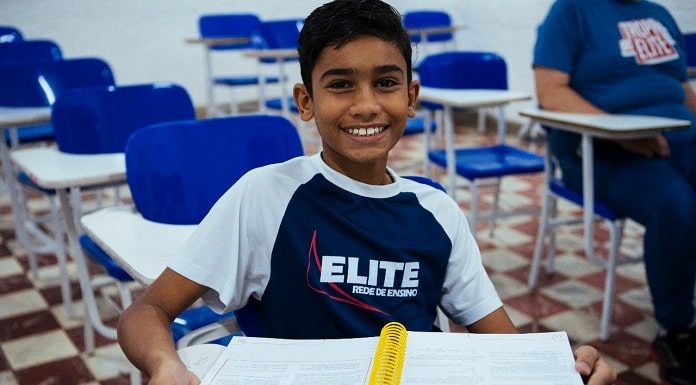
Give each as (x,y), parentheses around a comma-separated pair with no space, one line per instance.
(399,357)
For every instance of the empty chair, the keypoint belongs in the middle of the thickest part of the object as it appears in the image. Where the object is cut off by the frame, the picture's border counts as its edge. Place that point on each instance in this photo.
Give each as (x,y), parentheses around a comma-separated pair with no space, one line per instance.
(9,34)
(277,35)
(99,120)
(476,70)
(29,51)
(240,26)
(555,190)
(420,25)
(38,85)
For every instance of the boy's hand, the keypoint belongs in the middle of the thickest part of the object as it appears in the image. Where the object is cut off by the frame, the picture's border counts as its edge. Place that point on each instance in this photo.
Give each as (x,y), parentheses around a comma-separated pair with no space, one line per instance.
(173,373)
(592,367)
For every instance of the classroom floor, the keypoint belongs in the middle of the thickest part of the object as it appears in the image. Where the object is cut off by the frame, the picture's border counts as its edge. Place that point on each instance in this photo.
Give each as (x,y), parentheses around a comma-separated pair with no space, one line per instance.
(40,345)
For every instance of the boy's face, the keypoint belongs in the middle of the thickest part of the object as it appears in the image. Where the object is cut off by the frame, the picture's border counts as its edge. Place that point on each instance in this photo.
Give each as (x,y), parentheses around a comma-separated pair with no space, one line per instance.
(361,99)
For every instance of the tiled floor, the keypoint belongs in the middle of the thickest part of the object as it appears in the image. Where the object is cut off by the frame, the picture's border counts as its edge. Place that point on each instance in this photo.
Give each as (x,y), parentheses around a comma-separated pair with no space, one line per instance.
(40,345)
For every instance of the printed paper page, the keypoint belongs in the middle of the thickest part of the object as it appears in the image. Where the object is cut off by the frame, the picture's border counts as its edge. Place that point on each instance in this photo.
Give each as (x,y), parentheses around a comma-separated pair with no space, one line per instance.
(267,361)
(489,359)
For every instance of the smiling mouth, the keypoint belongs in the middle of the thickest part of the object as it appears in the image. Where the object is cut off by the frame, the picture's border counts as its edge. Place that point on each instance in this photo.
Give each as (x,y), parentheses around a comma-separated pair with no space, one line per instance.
(365,131)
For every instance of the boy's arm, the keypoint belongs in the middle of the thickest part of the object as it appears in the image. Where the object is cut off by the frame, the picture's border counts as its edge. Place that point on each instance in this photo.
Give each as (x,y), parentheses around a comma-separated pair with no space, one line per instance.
(144,328)
(496,322)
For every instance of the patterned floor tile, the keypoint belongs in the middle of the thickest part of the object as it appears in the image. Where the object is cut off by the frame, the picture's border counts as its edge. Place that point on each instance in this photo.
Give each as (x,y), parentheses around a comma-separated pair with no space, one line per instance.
(38,349)
(107,362)
(9,267)
(25,325)
(21,302)
(66,371)
(573,293)
(579,324)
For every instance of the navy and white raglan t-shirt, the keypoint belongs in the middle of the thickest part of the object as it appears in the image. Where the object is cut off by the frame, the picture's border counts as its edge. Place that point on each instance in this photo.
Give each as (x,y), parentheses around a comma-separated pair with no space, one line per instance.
(329,257)
(625,57)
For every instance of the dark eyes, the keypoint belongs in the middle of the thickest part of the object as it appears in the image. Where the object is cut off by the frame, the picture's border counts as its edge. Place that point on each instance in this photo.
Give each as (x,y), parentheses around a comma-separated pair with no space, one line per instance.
(381,83)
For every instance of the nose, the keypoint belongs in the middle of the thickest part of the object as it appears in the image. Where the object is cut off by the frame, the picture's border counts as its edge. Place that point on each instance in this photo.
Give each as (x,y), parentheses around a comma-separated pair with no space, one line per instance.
(365,103)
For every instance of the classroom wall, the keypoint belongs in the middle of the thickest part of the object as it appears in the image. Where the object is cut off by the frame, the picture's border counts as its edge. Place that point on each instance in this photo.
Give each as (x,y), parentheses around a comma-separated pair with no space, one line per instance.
(143,40)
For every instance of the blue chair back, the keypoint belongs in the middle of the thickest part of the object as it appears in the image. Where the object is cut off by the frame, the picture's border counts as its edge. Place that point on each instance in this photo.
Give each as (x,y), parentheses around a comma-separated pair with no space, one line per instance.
(690,48)
(99,120)
(428,19)
(10,34)
(177,171)
(27,52)
(278,34)
(39,84)
(229,25)
(464,70)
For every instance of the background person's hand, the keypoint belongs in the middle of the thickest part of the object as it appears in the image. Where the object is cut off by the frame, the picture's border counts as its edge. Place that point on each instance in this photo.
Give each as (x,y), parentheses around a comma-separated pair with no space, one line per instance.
(650,147)
(593,369)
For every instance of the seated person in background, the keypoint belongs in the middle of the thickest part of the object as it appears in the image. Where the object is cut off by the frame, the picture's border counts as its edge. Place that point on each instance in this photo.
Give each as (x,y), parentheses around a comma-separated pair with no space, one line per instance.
(302,239)
(627,57)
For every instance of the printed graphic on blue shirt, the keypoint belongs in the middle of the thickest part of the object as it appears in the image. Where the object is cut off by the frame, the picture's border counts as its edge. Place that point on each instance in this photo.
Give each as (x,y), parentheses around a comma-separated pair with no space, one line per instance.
(354,263)
(647,40)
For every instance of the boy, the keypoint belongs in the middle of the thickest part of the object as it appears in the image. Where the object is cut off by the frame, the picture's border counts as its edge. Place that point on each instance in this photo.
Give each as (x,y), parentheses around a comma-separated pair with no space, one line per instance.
(333,245)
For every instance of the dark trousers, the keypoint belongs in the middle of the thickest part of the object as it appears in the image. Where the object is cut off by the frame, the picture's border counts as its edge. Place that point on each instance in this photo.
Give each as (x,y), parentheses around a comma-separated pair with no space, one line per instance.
(660,194)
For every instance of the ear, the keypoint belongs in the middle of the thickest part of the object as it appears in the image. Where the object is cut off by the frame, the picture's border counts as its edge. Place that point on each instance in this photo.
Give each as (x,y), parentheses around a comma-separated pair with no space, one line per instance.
(413,90)
(303,101)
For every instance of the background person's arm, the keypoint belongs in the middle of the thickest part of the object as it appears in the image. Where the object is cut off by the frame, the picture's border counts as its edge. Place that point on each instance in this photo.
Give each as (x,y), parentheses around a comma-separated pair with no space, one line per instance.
(144,328)
(555,94)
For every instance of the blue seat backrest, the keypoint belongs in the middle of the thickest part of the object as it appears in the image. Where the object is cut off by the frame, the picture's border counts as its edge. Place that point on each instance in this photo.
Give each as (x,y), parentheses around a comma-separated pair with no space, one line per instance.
(10,34)
(464,70)
(278,34)
(176,171)
(98,120)
(31,51)
(428,19)
(39,84)
(228,25)
(690,48)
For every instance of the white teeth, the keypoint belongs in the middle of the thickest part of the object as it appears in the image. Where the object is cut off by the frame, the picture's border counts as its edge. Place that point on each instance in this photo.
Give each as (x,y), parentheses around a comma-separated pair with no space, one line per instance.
(365,131)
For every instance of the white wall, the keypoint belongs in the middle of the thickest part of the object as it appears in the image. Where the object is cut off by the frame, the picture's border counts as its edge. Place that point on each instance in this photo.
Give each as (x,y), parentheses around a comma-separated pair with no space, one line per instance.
(143,40)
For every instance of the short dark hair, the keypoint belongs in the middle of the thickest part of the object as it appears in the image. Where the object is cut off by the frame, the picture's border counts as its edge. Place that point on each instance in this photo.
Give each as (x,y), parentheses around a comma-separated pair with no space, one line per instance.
(340,21)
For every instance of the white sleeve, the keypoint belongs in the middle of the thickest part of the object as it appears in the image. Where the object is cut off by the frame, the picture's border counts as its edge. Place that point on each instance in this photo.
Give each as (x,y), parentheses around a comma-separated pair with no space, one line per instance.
(229,251)
(468,293)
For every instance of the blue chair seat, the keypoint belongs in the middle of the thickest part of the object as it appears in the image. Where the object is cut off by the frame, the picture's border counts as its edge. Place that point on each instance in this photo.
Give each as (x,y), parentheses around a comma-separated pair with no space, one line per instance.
(102,258)
(275,104)
(32,134)
(243,80)
(24,179)
(198,317)
(600,209)
(416,126)
(492,161)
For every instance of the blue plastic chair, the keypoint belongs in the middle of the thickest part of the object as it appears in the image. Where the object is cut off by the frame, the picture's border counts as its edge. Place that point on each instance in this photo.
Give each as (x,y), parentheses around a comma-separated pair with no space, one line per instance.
(29,51)
(278,34)
(417,22)
(38,85)
(554,191)
(476,70)
(10,34)
(417,19)
(242,25)
(178,170)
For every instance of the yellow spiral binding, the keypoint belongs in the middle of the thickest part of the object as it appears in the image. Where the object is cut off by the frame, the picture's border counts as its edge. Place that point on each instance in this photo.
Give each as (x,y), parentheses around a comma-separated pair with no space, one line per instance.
(389,355)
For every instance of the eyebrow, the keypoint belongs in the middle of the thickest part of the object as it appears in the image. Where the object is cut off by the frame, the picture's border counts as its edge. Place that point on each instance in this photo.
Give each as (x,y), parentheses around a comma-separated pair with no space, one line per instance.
(380,70)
